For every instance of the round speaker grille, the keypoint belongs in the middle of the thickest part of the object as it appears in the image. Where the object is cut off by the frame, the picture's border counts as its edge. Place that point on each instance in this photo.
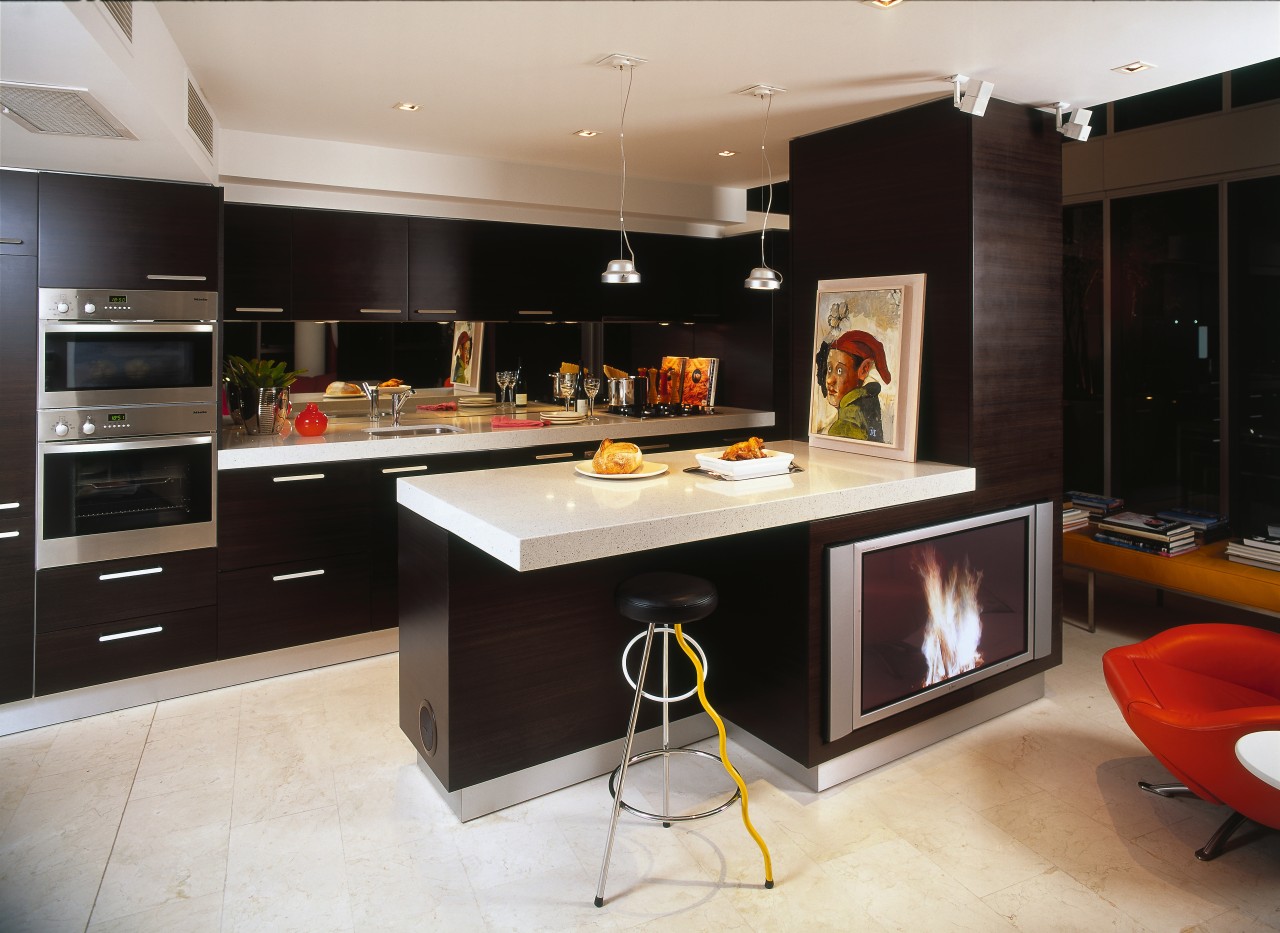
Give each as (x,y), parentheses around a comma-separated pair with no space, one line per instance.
(427,727)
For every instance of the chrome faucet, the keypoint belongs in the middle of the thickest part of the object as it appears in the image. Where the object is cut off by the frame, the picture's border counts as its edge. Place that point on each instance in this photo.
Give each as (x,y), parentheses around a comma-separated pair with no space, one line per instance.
(370,390)
(397,403)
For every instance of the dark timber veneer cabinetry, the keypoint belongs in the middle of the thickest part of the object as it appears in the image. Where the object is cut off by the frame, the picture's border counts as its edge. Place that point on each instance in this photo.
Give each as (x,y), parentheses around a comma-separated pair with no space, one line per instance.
(257,263)
(113,619)
(349,266)
(98,232)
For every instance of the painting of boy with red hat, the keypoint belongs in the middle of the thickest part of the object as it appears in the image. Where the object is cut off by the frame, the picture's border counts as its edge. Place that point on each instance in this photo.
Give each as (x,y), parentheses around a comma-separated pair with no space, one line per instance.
(849,364)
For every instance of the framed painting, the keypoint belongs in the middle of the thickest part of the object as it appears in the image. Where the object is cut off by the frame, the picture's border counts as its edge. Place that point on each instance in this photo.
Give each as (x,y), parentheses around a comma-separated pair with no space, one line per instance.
(464,361)
(865,390)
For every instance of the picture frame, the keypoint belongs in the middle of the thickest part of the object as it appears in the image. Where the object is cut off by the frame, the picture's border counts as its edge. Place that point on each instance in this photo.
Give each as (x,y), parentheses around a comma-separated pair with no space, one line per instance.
(864,390)
(464,357)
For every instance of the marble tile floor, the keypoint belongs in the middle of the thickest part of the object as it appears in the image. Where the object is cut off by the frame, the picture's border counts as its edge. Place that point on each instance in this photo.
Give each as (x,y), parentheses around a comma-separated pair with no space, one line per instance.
(295,804)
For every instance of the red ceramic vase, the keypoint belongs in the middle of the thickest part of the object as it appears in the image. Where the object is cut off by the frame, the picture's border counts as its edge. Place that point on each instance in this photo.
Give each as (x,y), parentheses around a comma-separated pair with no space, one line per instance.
(311,422)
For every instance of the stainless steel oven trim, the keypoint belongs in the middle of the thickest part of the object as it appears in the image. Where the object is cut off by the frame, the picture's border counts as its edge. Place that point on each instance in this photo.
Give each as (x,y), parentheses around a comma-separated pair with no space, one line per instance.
(62,552)
(204,394)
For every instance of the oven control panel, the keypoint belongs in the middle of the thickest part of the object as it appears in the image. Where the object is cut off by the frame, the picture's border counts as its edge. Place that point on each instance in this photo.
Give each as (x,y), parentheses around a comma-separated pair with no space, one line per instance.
(106,424)
(104,304)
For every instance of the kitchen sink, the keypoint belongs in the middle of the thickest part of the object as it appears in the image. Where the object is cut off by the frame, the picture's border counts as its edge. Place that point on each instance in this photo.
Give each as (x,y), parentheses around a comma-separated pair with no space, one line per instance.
(416,430)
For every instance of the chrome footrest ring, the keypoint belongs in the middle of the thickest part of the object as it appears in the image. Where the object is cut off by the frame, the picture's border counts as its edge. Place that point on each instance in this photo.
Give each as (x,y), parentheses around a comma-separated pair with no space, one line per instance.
(667,817)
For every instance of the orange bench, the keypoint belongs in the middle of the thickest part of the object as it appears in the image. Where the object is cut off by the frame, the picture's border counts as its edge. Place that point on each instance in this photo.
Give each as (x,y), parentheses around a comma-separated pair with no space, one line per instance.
(1204,573)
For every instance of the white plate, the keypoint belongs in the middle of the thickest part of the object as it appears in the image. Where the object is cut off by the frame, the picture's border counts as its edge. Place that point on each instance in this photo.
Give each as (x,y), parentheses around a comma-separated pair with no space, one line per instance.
(554,420)
(773,463)
(647,470)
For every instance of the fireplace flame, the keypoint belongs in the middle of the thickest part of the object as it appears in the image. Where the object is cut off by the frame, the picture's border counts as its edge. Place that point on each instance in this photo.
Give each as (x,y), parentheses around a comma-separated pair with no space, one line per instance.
(954,630)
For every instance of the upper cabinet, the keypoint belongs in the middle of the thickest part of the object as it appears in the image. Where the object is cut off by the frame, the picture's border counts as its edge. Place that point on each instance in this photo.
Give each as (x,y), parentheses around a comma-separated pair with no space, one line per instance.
(98,232)
(349,266)
(19,194)
(257,263)
(442,268)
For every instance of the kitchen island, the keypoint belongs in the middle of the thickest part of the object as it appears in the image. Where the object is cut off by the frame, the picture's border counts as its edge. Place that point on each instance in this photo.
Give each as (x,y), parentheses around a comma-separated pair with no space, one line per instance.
(509,643)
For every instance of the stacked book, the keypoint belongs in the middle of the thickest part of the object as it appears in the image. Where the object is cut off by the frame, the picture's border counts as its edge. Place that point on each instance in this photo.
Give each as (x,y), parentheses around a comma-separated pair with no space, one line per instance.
(1256,551)
(1146,533)
(1094,505)
(1073,518)
(1208,526)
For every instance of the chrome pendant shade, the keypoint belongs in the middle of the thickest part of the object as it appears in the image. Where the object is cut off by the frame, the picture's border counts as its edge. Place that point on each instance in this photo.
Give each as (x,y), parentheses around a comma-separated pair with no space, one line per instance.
(763,278)
(620,272)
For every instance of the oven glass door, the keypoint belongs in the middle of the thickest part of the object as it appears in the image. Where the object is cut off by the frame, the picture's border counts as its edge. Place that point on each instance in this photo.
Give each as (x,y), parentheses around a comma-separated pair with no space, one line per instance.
(115,364)
(101,501)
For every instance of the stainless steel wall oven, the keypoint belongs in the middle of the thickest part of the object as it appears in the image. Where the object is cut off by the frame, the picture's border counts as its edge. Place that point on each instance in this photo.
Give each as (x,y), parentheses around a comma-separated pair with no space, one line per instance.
(127,424)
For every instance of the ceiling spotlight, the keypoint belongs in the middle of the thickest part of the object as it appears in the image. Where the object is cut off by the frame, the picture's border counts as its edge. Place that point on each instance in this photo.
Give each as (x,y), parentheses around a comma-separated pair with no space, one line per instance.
(882,4)
(726,153)
(977,93)
(1077,127)
(1134,67)
(585,134)
(406,105)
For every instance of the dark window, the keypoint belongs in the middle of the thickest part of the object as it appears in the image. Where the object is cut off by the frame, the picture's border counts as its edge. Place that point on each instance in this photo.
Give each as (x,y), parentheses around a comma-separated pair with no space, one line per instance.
(1082,299)
(1172,103)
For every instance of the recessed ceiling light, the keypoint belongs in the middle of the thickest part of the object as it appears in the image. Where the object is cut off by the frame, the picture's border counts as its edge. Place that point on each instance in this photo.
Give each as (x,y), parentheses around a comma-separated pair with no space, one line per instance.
(406,105)
(726,153)
(585,134)
(882,4)
(1134,67)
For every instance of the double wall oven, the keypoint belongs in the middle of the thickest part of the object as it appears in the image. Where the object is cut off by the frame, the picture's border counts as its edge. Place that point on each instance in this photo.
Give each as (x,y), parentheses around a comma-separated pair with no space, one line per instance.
(127,424)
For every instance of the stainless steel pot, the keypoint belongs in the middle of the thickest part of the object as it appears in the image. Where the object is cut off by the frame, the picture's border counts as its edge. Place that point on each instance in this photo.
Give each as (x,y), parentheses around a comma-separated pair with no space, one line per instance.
(628,391)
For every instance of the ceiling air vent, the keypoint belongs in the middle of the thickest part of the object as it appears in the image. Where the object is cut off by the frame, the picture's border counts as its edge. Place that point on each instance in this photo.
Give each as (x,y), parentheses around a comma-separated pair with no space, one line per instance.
(122,12)
(199,119)
(59,111)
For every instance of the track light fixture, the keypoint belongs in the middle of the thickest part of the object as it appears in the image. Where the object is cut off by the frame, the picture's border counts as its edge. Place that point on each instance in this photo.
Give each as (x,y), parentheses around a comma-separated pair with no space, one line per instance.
(1077,127)
(622,271)
(976,94)
(762,277)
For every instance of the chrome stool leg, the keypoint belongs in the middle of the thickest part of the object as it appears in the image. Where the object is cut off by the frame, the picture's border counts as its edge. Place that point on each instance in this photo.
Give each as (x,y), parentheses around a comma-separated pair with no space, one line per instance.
(626,760)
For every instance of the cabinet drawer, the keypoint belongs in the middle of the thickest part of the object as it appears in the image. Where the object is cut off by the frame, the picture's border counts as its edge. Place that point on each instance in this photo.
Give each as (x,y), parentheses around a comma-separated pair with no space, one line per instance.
(264,608)
(98,653)
(110,590)
(266,516)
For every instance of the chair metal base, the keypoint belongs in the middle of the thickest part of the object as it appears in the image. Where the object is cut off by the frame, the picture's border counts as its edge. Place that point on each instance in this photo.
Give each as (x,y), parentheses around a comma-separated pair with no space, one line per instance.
(1218,841)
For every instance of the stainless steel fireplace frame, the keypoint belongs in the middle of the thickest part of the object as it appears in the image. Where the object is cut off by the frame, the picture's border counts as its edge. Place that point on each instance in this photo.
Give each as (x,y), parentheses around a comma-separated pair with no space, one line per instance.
(844,649)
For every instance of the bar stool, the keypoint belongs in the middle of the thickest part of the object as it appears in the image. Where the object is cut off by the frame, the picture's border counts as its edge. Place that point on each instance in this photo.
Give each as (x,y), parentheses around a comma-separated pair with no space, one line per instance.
(665,602)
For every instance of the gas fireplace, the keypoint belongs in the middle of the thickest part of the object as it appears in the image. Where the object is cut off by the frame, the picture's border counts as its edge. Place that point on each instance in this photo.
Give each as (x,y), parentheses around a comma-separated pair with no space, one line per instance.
(919,613)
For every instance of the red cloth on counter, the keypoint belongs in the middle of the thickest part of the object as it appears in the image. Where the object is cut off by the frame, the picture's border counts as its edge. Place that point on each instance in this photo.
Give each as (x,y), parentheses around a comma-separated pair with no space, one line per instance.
(502,421)
(441,406)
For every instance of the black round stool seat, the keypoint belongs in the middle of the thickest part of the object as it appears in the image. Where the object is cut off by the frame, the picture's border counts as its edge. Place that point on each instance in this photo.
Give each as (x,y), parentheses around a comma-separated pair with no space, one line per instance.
(666,598)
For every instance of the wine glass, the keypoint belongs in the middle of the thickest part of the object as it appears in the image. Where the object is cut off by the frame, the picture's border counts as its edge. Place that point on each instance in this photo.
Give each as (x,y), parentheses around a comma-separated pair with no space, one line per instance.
(591,384)
(506,380)
(566,385)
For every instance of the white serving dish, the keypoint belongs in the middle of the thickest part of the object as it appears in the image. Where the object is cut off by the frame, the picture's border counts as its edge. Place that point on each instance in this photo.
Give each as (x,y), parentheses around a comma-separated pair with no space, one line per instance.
(773,463)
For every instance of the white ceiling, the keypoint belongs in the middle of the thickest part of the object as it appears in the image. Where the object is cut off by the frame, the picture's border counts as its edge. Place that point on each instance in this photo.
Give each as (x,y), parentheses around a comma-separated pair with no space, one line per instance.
(511,81)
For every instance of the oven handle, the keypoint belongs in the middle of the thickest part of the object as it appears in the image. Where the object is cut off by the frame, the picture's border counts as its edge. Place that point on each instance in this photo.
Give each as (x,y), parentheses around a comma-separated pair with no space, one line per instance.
(150,327)
(72,447)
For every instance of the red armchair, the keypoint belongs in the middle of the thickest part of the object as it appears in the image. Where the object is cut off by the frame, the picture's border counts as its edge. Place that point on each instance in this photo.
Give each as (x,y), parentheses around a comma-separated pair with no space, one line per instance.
(1189,694)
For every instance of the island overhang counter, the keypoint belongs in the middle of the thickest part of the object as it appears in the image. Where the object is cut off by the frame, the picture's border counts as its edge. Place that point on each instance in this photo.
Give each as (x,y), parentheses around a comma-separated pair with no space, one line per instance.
(509,642)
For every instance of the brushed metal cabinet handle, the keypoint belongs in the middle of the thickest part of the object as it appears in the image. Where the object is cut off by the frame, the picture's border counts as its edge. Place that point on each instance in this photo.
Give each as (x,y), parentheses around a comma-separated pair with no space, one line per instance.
(9,505)
(536,313)
(405,469)
(132,634)
(653,446)
(11,240)
(178,278)
(261,310)
(562,456)
(433,311)
(297,576)
(297,479)
(130,573)
(381,311)
(9,534)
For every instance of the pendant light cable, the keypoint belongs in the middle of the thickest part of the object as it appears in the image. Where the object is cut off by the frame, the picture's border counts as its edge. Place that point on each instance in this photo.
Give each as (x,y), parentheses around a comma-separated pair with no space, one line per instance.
(623,240)
(766,166)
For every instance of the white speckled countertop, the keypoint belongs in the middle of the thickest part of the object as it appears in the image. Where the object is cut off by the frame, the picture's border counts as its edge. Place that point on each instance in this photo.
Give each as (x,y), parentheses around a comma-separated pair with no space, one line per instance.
(547,515)
(347,438)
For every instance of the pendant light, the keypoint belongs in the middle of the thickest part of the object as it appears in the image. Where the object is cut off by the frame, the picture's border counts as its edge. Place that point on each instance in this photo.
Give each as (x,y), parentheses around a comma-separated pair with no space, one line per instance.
(763,278)
(622,271)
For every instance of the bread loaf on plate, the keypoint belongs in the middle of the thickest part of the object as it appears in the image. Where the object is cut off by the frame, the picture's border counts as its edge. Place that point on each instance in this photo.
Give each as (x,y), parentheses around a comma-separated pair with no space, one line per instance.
(617,457)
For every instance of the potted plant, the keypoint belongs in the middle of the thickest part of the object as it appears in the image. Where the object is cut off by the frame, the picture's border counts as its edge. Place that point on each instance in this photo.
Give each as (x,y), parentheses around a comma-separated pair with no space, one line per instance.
(258,392)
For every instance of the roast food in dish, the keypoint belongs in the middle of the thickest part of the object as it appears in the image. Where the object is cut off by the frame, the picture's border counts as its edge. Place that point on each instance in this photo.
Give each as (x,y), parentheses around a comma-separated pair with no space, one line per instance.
(750,449)
(391,384)
(614,457)
(343,388)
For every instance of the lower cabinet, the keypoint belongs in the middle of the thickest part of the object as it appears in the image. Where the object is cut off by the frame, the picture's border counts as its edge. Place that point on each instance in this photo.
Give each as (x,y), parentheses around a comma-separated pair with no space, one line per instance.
(112,619)
(281,605)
